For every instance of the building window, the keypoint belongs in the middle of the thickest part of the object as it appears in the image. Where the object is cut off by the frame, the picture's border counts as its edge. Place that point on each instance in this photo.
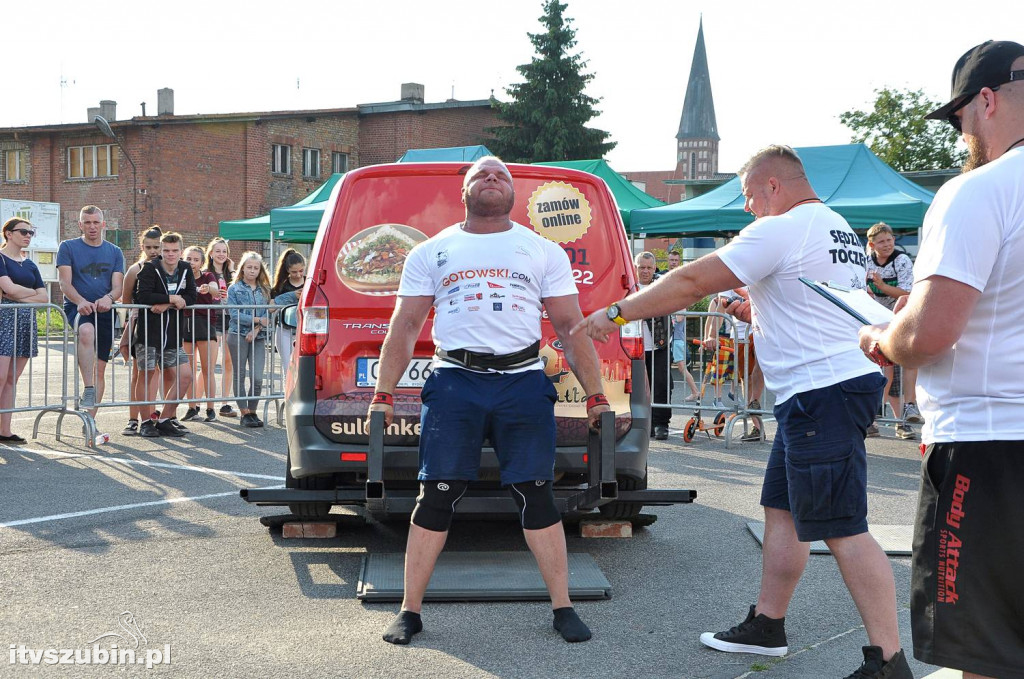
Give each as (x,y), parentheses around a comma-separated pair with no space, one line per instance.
(310,162)
(281,159)
(339,162)
(89,162)
(16,165)
(693,165)
(122,238)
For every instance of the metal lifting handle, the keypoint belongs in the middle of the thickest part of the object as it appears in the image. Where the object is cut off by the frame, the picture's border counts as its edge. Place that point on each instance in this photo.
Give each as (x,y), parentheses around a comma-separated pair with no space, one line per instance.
(375,463)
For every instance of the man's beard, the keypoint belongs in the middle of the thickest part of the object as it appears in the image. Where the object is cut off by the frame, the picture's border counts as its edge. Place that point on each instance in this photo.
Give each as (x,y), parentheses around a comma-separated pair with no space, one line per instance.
(478,208)
(976,153)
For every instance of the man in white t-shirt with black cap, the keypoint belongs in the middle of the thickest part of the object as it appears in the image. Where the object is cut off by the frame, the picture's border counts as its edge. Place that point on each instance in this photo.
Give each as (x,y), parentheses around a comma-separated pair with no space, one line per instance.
(488,281)
(960,324)
(827,393)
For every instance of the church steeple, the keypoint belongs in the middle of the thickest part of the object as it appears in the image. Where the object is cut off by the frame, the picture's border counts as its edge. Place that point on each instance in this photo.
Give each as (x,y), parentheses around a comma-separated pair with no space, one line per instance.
(697,139)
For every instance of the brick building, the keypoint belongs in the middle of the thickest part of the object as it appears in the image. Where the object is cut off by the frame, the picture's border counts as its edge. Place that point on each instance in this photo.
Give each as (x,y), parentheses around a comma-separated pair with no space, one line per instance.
(192,171)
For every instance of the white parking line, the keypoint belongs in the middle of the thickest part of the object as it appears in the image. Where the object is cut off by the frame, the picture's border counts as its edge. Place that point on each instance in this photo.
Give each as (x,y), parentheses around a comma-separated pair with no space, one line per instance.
(103,510)
(144,463)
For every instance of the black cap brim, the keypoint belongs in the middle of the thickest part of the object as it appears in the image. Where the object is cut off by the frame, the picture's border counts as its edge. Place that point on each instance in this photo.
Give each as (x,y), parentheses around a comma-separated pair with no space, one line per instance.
(943,111)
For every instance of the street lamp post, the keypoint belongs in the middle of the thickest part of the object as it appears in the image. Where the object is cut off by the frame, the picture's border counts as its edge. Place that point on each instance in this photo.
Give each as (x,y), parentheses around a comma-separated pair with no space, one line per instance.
(104,127)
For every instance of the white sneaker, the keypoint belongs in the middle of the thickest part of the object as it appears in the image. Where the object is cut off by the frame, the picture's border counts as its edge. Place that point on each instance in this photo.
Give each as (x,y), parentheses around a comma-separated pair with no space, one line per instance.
(88,399)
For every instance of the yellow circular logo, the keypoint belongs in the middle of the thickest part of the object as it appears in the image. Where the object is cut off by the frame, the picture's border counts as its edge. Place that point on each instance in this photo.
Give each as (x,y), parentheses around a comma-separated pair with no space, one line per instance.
(559,212)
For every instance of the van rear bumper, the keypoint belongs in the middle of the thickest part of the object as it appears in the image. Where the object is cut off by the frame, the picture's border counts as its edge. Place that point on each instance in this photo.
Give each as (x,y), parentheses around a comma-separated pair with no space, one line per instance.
(313,454)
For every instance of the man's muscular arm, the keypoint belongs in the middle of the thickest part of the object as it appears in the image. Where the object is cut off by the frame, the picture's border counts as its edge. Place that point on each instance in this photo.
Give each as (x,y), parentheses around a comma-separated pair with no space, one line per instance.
(399,343)
(564,312)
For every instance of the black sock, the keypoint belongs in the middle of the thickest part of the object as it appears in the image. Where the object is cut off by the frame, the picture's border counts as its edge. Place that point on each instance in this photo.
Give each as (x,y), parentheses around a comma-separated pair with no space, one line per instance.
(569,625)
(402,628)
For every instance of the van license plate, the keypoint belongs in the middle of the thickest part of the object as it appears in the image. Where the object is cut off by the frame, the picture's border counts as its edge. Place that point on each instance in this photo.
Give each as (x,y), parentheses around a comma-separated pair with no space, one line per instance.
(415,375)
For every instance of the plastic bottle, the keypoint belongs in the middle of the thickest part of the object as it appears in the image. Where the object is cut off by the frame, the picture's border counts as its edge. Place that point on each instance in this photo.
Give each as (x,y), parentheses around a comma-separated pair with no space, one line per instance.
(100,439)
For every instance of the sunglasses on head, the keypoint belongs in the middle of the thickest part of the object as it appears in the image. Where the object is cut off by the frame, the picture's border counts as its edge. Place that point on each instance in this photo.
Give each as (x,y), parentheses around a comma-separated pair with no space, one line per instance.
(954,120)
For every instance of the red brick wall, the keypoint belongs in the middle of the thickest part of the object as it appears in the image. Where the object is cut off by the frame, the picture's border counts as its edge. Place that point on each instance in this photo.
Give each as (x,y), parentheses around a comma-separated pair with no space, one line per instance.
(656,186)
(383,137)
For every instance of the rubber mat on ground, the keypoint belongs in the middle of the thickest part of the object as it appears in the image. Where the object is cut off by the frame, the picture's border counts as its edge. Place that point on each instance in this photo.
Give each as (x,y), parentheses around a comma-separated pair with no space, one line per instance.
(895,540)
(480,576)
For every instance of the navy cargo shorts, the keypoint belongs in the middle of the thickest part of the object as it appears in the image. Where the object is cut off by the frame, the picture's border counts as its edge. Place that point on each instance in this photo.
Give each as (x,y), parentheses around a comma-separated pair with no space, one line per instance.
(817,469)
(461,408)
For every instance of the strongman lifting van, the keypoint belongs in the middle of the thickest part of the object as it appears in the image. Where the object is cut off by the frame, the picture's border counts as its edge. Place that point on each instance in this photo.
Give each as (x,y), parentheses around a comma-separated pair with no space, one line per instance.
(374,217)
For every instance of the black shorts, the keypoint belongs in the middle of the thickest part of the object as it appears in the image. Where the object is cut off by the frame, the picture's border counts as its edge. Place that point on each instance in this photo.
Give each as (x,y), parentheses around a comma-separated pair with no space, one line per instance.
(966,600)
(199,329)
(103,324)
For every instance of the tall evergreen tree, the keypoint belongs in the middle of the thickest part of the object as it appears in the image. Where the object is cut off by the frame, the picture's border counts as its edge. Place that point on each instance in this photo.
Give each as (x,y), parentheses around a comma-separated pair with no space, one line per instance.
(546,118)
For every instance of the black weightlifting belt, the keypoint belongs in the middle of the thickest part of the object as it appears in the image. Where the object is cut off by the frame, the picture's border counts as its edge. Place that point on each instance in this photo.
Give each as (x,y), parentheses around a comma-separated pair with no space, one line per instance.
(483,362)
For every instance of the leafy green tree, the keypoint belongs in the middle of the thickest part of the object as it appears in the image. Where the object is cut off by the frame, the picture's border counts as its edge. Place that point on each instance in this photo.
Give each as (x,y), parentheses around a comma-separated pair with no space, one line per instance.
(898,133)
(547,115)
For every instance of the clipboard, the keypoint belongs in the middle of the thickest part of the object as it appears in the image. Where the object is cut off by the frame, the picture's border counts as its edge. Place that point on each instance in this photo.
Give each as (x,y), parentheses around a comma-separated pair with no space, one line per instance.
(853,301)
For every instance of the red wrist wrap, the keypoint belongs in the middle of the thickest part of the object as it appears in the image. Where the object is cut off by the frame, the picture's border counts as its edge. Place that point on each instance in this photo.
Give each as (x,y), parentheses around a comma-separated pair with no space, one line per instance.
(383,397)
(596,400)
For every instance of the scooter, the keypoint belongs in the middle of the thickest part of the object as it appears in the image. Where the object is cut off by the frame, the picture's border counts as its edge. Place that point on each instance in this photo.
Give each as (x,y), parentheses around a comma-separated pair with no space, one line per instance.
(696,423)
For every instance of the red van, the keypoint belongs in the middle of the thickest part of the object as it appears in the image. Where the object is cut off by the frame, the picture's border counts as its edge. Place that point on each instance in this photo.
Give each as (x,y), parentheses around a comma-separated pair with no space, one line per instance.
(375,216)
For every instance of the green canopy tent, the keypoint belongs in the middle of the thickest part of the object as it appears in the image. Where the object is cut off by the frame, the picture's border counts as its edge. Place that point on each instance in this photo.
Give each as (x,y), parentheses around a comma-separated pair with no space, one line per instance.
(849,178)
(296,223)
(627,196)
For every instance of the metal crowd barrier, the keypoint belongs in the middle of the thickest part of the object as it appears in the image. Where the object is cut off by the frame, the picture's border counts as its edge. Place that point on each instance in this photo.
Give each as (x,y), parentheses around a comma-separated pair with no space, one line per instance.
(31,390)
(118,372)
(737,411)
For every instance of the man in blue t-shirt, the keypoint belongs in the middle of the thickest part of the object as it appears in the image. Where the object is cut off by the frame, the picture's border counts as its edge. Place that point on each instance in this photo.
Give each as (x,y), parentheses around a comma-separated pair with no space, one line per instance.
(91,272)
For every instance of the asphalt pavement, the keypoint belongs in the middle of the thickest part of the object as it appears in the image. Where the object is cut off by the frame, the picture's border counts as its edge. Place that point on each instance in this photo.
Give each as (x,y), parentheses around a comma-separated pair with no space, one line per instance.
(148,539)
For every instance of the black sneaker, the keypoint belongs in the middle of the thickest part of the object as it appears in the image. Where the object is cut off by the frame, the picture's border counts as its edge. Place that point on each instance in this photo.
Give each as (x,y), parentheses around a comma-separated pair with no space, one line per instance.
(660,432)
(757,634)
(874,667)
(178,425)
(249,420)
(167,428)
(132,429)
(148,429)
(228,411)
(190,414)
(211,415)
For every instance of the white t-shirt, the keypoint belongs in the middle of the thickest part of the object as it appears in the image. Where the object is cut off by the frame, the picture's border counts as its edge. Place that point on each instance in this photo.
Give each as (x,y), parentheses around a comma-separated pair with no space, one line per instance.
(488,289)
(803,341)
(974,233)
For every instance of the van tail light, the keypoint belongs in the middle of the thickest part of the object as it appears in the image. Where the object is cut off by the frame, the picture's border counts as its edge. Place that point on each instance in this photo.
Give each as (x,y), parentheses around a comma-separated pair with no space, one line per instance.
(313,323)
(631,339)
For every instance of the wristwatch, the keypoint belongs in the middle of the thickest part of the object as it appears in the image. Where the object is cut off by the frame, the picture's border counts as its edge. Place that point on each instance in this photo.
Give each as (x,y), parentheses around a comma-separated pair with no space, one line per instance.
(614,315)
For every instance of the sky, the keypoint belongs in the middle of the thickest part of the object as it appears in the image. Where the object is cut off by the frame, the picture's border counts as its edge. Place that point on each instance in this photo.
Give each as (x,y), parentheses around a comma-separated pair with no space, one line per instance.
(781,72)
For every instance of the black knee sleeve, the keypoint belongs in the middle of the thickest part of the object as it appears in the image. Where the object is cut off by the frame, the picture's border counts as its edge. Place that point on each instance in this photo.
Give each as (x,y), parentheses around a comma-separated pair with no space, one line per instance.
(436,503)
(536,502)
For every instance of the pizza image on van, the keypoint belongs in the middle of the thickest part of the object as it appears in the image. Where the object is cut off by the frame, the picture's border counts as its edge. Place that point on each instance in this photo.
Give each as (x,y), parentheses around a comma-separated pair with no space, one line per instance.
(371,262)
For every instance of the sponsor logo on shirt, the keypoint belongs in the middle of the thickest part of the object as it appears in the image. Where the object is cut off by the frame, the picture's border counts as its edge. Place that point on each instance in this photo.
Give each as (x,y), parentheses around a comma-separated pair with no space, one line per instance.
(518,307)
(442,258)
(467,274)
(496,306)
(473,308)
(454,311)
(453,302)
(520,250)
(494,285)
(519,297)
(495,295)
(453,290)
(471,286)
(517,286)
(470,298)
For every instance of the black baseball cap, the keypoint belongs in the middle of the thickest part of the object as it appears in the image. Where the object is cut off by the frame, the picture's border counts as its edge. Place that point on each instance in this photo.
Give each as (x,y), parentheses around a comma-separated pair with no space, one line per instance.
(986,65)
